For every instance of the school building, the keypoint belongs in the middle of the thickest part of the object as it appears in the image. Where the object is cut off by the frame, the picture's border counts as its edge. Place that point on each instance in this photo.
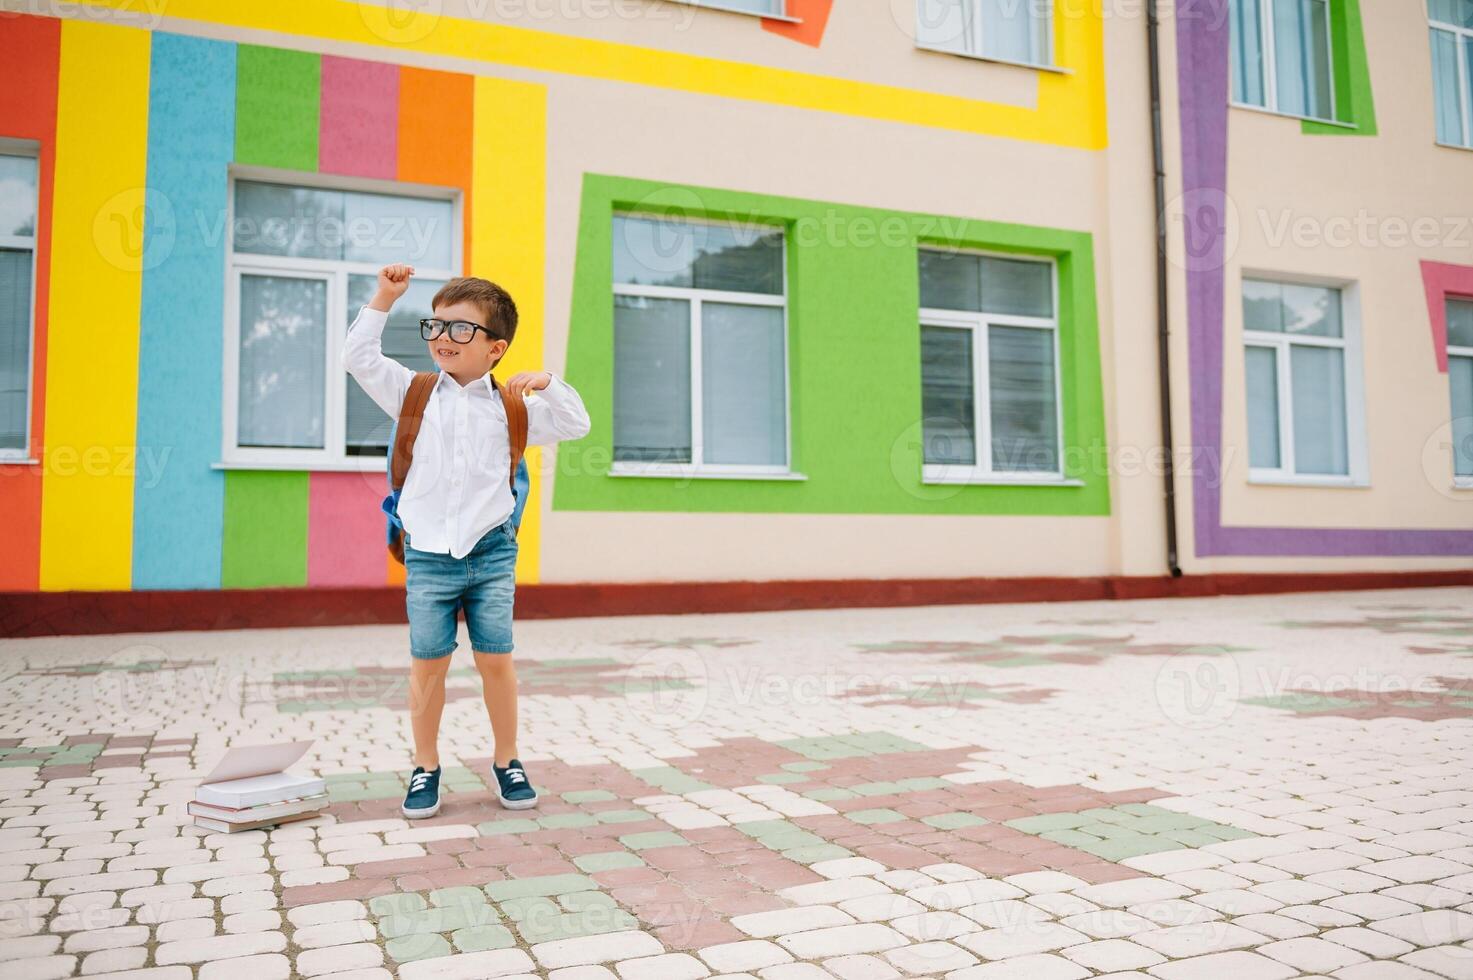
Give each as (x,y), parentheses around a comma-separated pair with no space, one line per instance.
(854,293)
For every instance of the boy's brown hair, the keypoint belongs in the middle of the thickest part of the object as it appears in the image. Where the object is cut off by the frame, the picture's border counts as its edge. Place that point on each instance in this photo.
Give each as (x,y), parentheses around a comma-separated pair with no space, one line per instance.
(495,303)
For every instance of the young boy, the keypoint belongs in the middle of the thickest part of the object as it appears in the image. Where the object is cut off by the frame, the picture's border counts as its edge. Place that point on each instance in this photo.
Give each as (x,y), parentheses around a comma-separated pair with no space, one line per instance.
(460,547)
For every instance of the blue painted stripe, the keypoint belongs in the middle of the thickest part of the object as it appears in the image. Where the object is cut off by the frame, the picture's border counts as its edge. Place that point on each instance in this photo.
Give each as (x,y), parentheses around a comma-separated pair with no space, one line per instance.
(178,516)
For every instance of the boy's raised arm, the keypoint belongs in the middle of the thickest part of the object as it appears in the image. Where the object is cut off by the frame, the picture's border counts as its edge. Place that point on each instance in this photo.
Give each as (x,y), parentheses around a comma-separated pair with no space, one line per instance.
(556,413)
(384,379)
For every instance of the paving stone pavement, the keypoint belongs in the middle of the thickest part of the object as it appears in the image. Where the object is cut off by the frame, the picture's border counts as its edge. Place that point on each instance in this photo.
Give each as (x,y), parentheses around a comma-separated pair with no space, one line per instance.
(1246,787)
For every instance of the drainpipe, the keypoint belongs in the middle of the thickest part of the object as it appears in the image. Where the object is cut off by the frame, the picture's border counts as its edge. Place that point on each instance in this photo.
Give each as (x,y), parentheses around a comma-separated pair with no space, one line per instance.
(1163,331)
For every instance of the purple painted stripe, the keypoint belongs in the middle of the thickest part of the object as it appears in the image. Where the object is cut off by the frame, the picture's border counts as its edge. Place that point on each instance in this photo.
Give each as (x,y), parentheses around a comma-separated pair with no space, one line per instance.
(1202,80)
(360,118)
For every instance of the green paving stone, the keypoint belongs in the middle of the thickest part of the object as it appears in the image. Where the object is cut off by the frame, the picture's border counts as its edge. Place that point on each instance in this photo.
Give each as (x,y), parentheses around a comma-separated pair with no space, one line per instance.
(1166,821)
(922,783)
(1191,838)
(763,828)
(1222,832)
(477,938)
(465,895)
(541,929)
(653,838)
(492,828)
(529,906)
(671,780)
(621,816)
(822,748)
(803,766)
(1120,848)
(782,778)
(399,903)
(1107,830)
(829,794)
(787,841)
(608,861)
(878,789)
(880,815)
(435,920)
(21,763)
(1302,703)
(1105,814)
(1143,809)
(1047,821)
(542,885)
(406,949)
(567,821)
(953,821)
(583,901)
(816,852)
(1072,838)
(588,796)
(883,742)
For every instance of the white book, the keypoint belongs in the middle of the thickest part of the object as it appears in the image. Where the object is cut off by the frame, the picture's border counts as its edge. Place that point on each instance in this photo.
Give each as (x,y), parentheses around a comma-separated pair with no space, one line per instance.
(251,775)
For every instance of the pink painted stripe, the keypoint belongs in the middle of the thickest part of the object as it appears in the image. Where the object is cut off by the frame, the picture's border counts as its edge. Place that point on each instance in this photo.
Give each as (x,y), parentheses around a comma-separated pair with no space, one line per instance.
(1441,280)
(360,118)
(345,529)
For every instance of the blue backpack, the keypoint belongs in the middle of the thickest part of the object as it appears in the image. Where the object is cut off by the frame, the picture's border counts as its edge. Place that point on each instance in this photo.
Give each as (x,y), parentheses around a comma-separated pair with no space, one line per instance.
(406,431)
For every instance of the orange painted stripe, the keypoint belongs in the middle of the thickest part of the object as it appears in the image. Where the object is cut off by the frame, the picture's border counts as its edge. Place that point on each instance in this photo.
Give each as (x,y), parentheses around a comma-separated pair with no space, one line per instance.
(31,46)
(435,134)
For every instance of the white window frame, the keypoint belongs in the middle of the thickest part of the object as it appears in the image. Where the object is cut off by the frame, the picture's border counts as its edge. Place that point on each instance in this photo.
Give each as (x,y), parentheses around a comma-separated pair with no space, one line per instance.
(1351,346)
(1271,69)
(1043,25)
(1461,35)
(697,467)
(334,455)
(978,323)
(732,9)
(1464,482)
(32,149)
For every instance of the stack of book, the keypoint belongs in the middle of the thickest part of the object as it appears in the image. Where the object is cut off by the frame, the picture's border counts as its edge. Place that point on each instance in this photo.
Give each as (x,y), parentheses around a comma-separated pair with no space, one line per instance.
(251,789)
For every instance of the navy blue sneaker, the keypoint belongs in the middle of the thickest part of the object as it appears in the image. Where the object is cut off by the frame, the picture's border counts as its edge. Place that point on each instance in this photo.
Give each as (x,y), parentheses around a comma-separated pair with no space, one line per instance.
(423,798)
(513,787)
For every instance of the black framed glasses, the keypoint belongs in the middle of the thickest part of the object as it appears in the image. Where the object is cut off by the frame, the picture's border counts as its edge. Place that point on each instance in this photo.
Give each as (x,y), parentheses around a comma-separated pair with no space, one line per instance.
(460,331)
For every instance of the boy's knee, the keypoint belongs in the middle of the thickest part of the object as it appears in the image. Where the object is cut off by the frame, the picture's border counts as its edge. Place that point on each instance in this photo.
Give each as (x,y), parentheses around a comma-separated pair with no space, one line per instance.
(495,664)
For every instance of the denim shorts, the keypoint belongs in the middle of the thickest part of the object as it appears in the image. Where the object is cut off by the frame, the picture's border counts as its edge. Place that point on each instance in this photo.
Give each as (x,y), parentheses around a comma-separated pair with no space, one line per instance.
(483,583)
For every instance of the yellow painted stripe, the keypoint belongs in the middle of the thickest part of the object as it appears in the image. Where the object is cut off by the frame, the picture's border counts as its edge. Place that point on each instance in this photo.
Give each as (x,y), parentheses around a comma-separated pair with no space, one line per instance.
(97,259)
(508,225)
(1070,109)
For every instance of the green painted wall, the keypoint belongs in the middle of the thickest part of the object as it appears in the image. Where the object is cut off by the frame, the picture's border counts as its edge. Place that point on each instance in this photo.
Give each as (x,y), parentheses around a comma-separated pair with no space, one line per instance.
(265,540)
(276,107)
(854,361)
(1354,102)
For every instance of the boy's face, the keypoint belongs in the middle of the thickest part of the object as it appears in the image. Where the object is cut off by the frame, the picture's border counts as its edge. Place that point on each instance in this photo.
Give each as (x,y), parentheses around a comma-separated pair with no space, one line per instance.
(465,361)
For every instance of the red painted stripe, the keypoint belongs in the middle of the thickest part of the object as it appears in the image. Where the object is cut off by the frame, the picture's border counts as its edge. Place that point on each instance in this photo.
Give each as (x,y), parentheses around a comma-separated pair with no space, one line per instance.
(436,145)
(30,47)
(345,529)
(359,119)
(1441,280)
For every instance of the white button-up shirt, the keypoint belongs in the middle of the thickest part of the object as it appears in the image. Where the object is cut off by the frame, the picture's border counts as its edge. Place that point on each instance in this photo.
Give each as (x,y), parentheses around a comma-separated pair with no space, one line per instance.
(458,486)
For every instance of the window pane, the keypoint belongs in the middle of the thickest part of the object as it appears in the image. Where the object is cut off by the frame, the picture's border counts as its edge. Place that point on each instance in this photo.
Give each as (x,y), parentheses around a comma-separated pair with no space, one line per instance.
(1010,286)
(1301,57)
(653,252)
(651,379)
(1263,306)
(744,260)
(950,281)
(946,25)
(948,425)
(17,195)
(1460,322)
(15,346)
(1460,371)
(743,389)
(1007,29)
(368,427)
(282,338)
(384,228)
(755,6)
(1311,310)
(1317,61)
(1449,106)
(1024,416)
(1263,408)
(277,219)
(1317,380)
(1247,52)
(1456,12)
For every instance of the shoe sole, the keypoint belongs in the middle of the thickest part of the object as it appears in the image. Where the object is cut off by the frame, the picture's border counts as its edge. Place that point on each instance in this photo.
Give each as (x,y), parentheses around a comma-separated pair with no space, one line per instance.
(517,804)
(421,813)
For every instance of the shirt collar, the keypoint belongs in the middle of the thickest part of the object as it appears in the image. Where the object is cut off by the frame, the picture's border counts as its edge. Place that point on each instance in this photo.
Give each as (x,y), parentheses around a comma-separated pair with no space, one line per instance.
(484,383)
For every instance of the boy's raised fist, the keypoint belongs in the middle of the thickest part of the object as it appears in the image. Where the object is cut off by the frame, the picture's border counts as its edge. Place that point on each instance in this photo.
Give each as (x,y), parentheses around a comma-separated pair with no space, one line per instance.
(393,280)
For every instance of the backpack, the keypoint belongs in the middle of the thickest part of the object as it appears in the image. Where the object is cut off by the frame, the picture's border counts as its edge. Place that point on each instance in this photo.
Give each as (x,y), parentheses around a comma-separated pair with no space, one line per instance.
(406,431)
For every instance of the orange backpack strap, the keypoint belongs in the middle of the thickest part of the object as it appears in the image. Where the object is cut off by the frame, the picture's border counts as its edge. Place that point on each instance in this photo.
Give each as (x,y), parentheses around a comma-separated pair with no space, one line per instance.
(411,417)
(516,424)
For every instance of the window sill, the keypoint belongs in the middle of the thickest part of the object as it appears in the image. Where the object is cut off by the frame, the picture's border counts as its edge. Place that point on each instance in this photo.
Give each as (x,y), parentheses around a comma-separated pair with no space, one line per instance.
(1463,483)
(673,471)
(18,461)
(368,464)
(1339,482)
(1056,69)
(738,10)
(1290,115)
(1454,146)
(951,475)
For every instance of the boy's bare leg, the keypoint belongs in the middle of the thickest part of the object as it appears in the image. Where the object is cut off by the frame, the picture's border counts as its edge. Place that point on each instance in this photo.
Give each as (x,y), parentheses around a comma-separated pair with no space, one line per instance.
(499,688)
(426,704)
